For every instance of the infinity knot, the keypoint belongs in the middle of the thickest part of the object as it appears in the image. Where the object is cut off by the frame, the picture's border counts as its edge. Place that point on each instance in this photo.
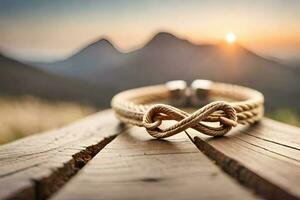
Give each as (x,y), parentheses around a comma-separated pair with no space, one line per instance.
(219,111)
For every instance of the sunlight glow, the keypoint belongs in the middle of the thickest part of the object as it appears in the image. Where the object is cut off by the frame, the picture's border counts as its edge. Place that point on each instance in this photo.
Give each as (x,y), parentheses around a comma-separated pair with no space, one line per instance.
(230,38)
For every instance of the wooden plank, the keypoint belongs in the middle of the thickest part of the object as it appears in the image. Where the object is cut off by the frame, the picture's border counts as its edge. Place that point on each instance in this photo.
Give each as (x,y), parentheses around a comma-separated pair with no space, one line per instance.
(36,166)
(136,166)
(265,157)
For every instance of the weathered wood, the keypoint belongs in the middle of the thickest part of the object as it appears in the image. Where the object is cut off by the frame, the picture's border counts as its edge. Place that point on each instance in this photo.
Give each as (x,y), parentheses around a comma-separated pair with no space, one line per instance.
(265,157)
(36,166)
(136,166)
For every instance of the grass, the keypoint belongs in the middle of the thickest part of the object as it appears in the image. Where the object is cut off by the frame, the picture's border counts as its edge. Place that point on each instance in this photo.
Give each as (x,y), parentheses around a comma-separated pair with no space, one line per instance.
(24,116)
(285,115)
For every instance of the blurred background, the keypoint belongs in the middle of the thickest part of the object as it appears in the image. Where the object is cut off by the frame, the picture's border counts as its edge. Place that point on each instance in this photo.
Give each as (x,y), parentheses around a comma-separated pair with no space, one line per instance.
(61,60)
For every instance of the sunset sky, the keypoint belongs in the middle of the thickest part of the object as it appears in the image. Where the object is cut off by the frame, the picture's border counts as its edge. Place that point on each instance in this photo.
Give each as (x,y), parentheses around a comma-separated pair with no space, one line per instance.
(51,30)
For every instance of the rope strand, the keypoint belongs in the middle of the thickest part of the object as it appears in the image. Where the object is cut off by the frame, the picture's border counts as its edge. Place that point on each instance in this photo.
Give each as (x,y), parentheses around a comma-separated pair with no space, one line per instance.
(133,107)
(152,120)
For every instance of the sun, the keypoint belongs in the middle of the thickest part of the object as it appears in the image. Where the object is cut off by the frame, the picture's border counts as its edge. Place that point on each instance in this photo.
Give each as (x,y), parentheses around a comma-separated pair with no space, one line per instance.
(230,38)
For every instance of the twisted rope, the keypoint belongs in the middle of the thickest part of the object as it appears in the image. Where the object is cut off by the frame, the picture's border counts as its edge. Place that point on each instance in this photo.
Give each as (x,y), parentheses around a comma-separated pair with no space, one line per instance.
(134,107)
(156,114)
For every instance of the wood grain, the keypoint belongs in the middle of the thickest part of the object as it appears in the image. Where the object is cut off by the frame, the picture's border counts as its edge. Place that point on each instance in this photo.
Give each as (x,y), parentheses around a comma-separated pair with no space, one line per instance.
(135,166)
(36,166)
(265,157)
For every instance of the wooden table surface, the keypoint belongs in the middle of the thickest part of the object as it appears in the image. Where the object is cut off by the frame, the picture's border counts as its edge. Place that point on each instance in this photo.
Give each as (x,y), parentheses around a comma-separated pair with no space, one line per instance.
(98,158)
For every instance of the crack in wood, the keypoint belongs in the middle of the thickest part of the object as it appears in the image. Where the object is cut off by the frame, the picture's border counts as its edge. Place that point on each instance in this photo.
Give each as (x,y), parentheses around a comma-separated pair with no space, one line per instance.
(37,166)
(266,149)
(241,173)
(47,186)
(253,158)
(271,141)
(19,170)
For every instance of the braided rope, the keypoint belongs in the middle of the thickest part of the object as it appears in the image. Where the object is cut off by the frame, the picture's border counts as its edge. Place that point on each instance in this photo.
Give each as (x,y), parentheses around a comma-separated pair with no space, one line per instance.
(134,107)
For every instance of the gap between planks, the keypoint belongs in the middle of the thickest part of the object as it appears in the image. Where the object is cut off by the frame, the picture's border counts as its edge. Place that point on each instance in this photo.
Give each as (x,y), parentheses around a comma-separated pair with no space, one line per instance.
(273,145)
(37,166)
(264,157)
(136,166)
(275,141)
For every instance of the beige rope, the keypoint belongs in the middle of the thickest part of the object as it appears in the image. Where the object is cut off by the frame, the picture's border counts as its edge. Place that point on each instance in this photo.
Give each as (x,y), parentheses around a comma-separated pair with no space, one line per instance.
(133,107)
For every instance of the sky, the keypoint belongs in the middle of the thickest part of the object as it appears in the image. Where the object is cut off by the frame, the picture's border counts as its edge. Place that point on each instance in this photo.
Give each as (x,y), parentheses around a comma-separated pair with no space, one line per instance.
(52,30)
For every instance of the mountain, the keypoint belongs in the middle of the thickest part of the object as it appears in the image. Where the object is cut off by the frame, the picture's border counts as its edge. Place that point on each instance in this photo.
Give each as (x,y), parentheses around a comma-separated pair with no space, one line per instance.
(88,61)
(292,63)
(19,79)
(166,57)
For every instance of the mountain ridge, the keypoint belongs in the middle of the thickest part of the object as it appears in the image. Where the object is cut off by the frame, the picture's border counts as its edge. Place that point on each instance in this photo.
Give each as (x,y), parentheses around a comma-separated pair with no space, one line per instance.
(160,36)
(18,79)
(166,57)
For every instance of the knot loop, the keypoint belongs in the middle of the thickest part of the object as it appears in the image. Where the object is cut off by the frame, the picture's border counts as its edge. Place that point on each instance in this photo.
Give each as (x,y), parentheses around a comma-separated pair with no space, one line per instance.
(219,111)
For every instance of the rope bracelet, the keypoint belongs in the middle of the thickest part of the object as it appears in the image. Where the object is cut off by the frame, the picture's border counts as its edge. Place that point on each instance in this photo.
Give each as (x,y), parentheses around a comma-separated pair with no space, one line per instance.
(140,107)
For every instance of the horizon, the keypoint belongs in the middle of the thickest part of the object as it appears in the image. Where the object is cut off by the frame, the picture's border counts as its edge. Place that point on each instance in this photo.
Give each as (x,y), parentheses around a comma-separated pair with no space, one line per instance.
(87,45)
(28,59)
(268,28)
